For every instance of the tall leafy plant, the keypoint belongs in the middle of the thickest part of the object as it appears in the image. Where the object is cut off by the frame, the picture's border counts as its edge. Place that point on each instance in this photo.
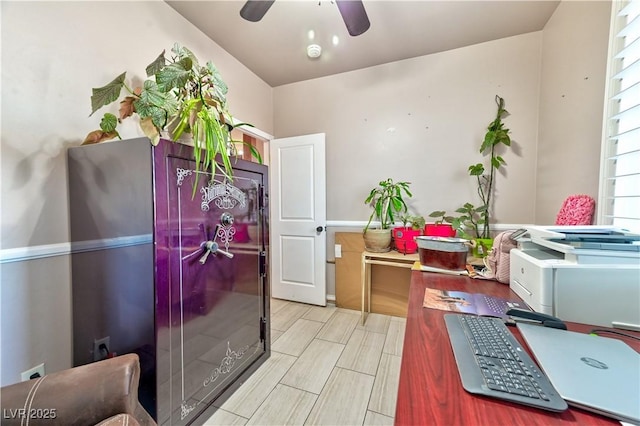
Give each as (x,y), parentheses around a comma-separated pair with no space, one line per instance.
(387,202)
(478,218)
(179,96)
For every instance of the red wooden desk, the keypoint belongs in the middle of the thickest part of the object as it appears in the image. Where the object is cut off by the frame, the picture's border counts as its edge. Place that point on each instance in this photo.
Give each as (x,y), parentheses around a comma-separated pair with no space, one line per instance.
(430,391)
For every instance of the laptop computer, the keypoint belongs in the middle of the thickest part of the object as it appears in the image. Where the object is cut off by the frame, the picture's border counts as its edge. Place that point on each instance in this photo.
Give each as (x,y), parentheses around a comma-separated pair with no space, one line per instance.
(595,373)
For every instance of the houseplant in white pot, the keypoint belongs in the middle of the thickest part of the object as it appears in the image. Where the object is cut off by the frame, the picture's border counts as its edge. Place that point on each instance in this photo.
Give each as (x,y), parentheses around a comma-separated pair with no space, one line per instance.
(180,96)
(387,203)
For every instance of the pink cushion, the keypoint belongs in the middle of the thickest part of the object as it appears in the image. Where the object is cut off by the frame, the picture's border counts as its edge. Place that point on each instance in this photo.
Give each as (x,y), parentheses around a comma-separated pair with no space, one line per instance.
(576,210)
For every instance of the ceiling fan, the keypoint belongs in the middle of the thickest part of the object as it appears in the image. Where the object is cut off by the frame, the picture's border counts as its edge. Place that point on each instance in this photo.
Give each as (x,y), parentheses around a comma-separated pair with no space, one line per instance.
(352,11)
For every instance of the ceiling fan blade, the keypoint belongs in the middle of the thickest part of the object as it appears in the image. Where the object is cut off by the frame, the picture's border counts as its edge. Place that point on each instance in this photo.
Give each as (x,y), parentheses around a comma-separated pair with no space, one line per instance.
(354,16)
(254,10)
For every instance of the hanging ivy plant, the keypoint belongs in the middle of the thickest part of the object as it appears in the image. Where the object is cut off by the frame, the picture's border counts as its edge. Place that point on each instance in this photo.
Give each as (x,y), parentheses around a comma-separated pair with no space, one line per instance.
(179,96)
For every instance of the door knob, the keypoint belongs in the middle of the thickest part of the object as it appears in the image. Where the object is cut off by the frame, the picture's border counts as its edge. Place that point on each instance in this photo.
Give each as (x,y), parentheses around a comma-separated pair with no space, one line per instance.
(320,229)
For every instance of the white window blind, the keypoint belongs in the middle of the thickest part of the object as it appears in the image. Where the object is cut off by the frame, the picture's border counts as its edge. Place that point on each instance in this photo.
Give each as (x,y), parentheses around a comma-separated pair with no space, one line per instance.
(619,198)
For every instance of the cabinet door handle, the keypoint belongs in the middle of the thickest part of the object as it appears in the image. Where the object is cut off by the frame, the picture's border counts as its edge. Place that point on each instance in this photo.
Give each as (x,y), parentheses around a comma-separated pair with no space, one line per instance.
(209,246)
(214,248)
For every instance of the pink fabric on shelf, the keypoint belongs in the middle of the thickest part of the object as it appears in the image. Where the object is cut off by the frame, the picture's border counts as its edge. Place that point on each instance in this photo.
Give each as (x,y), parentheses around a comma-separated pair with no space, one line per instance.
(576,210)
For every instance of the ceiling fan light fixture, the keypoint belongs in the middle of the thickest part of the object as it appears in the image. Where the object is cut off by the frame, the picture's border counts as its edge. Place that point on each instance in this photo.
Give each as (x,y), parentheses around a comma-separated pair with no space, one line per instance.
(314,51)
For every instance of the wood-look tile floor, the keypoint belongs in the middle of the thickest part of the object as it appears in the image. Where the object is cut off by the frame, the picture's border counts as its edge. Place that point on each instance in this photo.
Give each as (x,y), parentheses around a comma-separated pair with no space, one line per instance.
(325,369)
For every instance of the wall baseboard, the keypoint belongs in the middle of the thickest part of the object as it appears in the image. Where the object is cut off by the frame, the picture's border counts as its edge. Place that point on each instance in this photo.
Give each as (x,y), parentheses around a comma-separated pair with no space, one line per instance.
(497,227)
(349,223)
(23,254)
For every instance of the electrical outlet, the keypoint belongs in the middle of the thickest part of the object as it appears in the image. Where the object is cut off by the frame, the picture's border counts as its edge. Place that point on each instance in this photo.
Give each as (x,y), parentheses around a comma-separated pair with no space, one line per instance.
(97,354)
(37,371)
(338,251)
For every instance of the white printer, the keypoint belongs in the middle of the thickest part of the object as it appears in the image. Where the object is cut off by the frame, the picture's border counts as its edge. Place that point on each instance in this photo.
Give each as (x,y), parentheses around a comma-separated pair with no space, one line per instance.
(585,274)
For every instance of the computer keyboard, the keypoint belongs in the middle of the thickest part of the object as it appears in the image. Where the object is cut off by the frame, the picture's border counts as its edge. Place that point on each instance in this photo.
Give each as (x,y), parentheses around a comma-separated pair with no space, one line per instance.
(492,362)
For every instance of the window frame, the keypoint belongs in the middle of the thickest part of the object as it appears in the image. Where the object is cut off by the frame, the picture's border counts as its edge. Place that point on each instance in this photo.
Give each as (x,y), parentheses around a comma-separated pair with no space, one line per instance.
(607,197)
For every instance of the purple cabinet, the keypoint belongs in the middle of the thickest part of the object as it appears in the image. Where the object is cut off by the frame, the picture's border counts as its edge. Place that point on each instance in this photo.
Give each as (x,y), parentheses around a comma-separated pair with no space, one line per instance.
(170,263)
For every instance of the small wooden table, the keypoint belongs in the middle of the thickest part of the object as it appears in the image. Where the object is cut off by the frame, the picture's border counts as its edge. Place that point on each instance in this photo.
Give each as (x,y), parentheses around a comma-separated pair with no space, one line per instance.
(430,391)
(390,258)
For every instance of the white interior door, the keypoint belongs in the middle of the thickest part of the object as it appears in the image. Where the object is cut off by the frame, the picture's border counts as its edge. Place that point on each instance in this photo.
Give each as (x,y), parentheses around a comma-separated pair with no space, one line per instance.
(298,216)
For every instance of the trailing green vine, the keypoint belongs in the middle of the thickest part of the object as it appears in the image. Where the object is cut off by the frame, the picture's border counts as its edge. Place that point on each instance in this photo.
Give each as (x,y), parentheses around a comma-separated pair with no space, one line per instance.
(179,96)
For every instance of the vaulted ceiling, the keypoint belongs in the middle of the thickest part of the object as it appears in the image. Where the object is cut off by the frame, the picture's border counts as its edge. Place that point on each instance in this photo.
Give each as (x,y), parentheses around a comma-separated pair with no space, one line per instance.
(275,48)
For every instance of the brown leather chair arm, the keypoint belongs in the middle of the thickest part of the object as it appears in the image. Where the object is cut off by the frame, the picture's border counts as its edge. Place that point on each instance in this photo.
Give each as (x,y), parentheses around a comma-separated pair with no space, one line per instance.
(84,395)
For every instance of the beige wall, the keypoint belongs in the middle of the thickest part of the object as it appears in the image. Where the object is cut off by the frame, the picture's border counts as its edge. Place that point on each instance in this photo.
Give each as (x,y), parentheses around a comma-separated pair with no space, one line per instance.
(439,105)
(574,55)
(53,53)
(422,120)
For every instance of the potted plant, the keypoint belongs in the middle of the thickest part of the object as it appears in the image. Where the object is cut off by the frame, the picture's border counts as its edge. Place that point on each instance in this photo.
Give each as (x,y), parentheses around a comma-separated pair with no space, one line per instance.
(387,203)
(468,226)
(417,223)
(404,237)
(179,96)
(398,231)
(440,228)
(477,219)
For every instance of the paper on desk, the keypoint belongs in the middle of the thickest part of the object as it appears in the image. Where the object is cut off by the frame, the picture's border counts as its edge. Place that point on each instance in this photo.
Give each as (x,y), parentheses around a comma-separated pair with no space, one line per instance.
(417,266)
(479,274)
(469,303)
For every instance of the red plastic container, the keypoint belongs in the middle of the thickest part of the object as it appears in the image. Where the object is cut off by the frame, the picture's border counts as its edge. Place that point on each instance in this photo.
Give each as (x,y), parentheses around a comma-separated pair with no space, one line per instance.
(439,230)
(404,239)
